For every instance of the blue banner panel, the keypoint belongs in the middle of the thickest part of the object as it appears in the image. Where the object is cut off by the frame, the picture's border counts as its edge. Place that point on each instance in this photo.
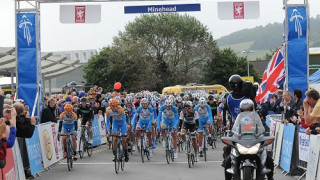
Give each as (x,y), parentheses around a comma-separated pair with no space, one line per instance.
(162,8)
(27,57)
(297,48)
(96,132)
(34,152)
(287,146)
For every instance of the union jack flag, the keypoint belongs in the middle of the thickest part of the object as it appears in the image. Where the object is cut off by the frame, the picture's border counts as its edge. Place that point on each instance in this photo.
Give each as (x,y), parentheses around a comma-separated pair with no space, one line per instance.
(273,77)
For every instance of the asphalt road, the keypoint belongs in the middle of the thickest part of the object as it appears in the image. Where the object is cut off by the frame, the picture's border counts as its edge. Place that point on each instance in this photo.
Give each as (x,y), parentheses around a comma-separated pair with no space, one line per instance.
(101,166)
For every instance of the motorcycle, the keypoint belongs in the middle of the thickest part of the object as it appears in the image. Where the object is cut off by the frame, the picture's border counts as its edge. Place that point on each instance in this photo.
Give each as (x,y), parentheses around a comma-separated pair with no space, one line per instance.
(248,152)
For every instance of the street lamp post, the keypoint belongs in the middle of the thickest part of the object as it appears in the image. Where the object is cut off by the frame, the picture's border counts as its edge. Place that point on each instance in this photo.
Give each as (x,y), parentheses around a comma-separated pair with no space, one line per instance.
(247,52)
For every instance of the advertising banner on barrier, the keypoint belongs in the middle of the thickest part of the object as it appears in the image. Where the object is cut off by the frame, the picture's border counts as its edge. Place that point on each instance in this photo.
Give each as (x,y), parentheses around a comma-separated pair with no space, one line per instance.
(18,162)
(47,144)
(287,146)
(9,171)
(96,132)
(304,141)
(59,143)
(272,132)
(34,152)
(102,126)
(279,143)
(313,157)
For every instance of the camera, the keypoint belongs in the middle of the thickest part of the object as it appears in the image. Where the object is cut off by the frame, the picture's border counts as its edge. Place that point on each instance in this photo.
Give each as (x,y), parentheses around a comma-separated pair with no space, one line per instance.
(8,111)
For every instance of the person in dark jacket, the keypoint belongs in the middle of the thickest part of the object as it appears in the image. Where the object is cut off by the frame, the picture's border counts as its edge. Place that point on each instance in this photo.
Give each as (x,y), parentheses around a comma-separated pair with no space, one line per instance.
(25,126)
(49,113)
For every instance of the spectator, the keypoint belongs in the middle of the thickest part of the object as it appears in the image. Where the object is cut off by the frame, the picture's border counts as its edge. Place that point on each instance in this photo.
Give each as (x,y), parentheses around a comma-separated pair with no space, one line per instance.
(287,107)
(9,127)
(25,126)
(49,113)
(297,97)
(75,100)
(311,107)
(276,107)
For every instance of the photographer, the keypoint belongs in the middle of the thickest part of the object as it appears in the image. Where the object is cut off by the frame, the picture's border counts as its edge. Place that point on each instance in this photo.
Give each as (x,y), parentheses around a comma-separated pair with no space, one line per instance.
(25,125)
(8,125)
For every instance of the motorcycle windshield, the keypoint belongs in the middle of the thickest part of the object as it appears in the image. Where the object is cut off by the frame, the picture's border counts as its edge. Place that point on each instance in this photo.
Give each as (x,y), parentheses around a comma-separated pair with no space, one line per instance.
(248,123)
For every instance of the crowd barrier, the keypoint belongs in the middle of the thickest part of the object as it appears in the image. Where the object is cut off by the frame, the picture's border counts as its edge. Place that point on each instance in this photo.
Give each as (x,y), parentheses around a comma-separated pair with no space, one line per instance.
(43,149)
(293,148)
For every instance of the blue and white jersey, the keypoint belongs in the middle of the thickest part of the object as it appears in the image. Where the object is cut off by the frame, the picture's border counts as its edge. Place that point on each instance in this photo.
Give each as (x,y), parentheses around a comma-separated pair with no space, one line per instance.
(144,114)
(168,115)
(234,106)
(204,113)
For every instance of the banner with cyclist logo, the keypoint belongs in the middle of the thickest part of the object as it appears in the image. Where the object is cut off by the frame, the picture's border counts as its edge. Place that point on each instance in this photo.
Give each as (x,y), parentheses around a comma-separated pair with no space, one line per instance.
(102,126)
(34,152)
(96,132)
(287,146)
(9,171)
(47,144)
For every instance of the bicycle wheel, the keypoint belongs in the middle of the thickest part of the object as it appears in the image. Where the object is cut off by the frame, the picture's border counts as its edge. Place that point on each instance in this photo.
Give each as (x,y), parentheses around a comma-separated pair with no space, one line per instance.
(68,163)
(117,159)
(204,150)
(142,149)
(168,156)
(189,154)
(82,147)
(147,154)
(89,149)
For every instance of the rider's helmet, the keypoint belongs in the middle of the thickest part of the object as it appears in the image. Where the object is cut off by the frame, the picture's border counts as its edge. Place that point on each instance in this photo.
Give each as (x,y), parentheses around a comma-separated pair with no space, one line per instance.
(235,82)
(247,105)
(168,102)
(113,102)
(178,99)
(188,104)
(83,99)
(68,108)
(202,101)
(144,101)
(128,99)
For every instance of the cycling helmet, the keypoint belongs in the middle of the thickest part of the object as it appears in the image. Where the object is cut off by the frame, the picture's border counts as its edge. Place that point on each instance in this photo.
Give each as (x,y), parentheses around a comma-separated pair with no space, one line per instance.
(210,97)
(168,102)
(188,104)
(83,99)
(202,101)
(68,108)
(235,81)
(172,98)
(247,104)
(256,84)
(113,102)
(179,99)
(128,99)
(144,101)
(138,95)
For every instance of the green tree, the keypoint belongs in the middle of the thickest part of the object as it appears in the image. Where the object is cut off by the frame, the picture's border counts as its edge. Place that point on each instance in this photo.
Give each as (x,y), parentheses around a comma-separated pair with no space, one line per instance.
(224,64)
(155,51)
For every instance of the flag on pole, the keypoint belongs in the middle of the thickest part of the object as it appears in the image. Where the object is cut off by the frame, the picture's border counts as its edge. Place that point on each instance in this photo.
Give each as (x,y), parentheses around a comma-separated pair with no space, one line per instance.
(273,77)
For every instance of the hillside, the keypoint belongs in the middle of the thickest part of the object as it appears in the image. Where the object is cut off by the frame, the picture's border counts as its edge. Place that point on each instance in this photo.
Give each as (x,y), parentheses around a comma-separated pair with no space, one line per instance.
(261,39)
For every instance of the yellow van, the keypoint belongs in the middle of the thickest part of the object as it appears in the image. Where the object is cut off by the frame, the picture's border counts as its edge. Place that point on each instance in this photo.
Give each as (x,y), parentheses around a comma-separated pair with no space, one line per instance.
(216,88)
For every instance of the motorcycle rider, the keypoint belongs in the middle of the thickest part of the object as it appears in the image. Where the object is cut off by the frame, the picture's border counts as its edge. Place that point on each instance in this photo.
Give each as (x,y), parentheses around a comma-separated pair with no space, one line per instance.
(247,109)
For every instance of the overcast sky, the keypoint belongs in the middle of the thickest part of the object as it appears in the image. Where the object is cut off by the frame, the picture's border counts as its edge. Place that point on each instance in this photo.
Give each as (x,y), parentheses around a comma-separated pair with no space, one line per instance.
(56,36)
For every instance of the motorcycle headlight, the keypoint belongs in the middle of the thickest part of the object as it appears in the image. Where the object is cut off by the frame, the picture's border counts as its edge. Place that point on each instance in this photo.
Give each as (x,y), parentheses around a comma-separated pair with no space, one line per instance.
(252,150)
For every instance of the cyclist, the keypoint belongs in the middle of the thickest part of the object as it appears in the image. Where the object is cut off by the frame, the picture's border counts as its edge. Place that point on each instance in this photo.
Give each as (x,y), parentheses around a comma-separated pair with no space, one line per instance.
(119,122)
(168,113)
(130,110)
(205,117)
(85,112)
(145,113)
(190,119)
(68,121)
